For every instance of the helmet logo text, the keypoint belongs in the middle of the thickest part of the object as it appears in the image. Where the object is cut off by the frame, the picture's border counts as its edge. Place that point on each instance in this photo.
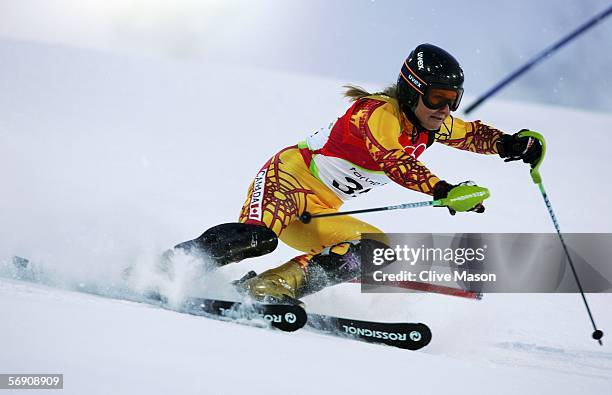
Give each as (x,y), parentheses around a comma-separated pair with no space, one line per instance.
(420,64)
(414,80)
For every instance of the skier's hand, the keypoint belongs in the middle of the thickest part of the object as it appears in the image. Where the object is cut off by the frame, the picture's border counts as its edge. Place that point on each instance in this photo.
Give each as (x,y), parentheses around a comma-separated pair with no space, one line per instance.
(442,189)
(513,147)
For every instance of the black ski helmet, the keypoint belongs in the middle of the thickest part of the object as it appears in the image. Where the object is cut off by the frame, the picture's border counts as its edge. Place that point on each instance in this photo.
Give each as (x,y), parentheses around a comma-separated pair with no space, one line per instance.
(429,67)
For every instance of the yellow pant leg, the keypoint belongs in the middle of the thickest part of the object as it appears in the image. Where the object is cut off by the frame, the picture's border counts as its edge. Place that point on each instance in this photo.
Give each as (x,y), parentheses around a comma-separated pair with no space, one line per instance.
(324,232)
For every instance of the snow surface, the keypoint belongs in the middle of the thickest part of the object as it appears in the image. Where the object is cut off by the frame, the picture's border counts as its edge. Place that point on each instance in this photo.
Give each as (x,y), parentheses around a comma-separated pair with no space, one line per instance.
(107,160)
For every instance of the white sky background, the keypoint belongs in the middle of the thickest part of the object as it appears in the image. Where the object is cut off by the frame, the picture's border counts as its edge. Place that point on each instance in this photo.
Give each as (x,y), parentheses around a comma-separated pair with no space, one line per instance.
(353,40)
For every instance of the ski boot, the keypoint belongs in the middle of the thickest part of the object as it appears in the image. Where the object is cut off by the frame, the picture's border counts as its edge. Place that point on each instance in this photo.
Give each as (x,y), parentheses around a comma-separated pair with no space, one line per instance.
(278,285)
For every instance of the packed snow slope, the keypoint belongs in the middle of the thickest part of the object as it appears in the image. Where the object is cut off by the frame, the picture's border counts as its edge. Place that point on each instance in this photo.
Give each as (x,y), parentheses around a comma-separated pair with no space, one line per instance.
(107,160)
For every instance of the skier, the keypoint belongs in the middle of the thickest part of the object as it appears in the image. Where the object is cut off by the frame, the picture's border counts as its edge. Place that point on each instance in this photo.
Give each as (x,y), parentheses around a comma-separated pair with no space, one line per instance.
(378,139)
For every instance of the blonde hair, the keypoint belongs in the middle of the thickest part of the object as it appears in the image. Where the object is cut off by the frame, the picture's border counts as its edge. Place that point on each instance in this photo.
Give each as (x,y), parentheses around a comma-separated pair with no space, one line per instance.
(354,92)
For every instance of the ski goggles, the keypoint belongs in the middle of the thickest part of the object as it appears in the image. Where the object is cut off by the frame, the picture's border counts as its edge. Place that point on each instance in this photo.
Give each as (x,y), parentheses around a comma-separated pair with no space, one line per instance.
(435,96)
(438,97)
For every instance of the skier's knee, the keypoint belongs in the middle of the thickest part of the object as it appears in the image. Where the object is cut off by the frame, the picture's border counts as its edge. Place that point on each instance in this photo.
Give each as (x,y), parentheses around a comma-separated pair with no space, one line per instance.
(349,254)
(232,242)
(340,263)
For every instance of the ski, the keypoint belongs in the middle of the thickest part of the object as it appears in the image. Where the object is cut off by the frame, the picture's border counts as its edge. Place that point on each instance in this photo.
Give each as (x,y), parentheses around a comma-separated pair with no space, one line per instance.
(409,336)
(289,318)
(286,317)
(428,287)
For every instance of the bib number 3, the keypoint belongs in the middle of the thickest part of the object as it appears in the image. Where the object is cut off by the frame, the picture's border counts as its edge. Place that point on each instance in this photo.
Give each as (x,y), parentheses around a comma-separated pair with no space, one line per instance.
(350,187)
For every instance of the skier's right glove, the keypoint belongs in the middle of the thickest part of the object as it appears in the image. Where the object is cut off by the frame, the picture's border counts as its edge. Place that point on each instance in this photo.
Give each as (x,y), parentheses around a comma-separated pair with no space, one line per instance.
(442,189)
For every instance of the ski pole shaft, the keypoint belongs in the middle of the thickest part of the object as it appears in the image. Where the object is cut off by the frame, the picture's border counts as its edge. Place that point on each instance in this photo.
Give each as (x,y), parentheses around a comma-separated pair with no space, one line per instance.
(539,57)
(461,198)
(306,216)
(537,179)
(597,334)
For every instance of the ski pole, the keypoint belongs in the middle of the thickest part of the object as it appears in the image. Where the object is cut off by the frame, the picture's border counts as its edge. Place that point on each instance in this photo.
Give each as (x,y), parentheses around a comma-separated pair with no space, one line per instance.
(537,179)
(461,198)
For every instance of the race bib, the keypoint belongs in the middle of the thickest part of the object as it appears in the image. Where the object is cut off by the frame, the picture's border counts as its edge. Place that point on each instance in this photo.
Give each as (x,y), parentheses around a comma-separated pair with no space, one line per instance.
(345,179)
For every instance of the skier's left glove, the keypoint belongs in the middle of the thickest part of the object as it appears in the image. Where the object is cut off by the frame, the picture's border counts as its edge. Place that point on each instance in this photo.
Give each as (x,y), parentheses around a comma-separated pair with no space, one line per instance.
(513,147)
(441,190)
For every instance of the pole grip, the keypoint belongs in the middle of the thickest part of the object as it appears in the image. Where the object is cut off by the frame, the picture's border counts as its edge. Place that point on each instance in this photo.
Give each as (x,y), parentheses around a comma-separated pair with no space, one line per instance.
(535,170)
